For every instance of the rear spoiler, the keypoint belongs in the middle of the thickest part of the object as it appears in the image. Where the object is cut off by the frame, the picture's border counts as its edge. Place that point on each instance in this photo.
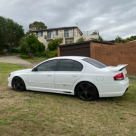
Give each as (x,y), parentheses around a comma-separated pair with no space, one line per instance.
(118,68)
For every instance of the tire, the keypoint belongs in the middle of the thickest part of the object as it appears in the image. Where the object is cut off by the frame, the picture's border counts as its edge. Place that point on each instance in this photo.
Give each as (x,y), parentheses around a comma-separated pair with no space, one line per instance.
(86,91)
(18,84)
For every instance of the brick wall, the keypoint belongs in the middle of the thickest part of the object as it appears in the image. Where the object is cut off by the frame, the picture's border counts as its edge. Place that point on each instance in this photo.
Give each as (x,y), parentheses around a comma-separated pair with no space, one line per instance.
(115,54)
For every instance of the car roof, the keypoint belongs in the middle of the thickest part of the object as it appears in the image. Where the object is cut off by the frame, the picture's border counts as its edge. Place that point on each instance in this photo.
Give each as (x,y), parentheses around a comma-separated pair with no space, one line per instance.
(70,57)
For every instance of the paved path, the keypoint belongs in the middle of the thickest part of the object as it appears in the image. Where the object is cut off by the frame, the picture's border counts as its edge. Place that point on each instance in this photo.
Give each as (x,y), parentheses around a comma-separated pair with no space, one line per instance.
(15,60)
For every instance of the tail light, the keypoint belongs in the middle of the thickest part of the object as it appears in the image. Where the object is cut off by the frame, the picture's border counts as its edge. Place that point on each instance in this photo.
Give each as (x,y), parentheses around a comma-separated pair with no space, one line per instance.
(120,76)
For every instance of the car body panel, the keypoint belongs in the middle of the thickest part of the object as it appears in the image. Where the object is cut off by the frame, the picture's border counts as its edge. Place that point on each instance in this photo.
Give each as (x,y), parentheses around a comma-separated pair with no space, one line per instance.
(41,79)
(65,82)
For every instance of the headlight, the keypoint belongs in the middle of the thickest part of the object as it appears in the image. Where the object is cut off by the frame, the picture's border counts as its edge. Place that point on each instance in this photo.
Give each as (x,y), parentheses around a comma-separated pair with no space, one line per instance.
(9,75)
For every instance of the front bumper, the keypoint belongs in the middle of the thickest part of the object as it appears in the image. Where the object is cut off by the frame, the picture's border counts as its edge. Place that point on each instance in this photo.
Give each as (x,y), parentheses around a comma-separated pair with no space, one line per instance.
(9,82)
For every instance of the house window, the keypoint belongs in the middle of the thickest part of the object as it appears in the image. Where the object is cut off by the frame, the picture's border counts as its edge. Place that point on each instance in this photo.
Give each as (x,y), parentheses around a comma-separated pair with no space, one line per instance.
(68,42)
(39,34)
(68,33)
(56,32)
(50,35)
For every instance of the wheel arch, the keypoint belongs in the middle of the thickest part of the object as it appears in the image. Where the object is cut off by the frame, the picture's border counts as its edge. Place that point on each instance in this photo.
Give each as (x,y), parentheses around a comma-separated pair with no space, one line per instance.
(88,82)
(19,77)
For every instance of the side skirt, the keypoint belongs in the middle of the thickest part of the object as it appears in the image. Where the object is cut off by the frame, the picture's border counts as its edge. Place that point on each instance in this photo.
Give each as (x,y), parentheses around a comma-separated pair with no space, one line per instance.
(50,90)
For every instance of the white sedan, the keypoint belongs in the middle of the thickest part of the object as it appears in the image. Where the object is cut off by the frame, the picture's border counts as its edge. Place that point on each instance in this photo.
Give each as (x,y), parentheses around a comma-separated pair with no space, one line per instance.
(83,76)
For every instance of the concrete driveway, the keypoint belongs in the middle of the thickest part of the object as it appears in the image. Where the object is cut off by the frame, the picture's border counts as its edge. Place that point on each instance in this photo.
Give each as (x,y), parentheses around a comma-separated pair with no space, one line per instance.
(15,60)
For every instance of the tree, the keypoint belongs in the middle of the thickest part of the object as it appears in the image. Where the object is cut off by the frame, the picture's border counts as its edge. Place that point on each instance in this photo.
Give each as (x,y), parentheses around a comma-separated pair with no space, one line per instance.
(133,37)
(95,33)
(52,45)
(30,44)
(10,32)
(81,39)
(37,25)
(2,31)
(118,40)
(100,38)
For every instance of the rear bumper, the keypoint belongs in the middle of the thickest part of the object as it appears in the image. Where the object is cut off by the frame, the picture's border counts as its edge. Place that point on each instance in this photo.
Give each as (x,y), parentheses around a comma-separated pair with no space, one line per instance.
(113,90)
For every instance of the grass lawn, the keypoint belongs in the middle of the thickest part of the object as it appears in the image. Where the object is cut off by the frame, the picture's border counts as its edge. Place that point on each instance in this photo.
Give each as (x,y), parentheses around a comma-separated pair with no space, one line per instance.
(132,78)
(36,59)
(44,114)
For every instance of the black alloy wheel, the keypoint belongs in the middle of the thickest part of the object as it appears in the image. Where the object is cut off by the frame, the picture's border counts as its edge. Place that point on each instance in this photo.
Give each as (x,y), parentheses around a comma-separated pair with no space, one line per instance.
(86,91)
(18,84)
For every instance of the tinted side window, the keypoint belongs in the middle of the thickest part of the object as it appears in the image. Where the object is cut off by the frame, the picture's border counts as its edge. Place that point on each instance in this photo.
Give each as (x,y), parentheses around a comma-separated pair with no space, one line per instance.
(47,66)
(95,63)
(65,65)
(77,66)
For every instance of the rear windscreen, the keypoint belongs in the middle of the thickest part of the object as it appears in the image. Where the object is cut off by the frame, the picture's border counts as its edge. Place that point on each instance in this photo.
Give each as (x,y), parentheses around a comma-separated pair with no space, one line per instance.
(95,63)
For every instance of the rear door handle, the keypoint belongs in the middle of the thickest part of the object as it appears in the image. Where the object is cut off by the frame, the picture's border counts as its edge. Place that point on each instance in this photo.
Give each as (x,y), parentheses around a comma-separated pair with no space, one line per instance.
(74,75)
(48,75)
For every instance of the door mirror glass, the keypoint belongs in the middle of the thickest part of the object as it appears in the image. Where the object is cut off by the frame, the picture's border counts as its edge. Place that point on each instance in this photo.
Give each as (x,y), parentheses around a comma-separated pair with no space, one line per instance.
(34,69)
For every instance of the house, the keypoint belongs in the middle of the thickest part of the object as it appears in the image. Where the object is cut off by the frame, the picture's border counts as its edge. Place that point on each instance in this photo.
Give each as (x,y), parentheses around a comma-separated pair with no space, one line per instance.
(67,34)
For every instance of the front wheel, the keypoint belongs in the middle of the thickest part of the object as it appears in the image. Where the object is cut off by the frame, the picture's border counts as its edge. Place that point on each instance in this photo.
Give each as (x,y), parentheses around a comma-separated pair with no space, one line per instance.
(18,84)
(86,91)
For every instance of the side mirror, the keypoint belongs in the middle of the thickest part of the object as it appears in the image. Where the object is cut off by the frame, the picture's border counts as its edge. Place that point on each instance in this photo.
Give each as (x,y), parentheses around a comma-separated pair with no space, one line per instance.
(34,69)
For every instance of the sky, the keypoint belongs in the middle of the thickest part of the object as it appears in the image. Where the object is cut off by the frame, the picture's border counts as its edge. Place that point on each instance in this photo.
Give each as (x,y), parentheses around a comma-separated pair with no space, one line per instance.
(111,18)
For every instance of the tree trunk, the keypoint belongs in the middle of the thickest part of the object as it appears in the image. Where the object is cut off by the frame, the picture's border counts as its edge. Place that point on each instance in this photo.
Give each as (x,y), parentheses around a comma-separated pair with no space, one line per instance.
(10,49)
(30,55)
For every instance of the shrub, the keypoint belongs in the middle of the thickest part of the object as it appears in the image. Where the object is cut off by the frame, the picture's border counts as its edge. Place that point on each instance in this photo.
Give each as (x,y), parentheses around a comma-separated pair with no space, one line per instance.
(31,45)
(51,54)
(24,56)
(81,39)
(37,54)
(40,54)
(15,50)
(53,44)
(44,54)
(2,52)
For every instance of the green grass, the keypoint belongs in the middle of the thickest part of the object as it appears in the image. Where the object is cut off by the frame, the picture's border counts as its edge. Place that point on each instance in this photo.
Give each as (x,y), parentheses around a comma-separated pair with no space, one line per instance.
(36,59)
(31,113)
(5,70)
(132,77)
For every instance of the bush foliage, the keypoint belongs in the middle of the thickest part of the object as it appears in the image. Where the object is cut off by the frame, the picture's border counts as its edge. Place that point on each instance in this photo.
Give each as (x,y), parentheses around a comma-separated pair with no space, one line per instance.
(53,44)
(24,56)
(15,50)
(81,39)
(51,54)
(31,45)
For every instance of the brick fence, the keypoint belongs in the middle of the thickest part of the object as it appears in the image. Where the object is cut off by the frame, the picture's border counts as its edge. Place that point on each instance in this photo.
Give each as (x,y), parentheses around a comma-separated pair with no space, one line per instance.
(115,54)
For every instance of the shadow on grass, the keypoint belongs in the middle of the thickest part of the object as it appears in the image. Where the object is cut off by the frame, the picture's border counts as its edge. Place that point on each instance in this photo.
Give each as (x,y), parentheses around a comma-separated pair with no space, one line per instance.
(127,97)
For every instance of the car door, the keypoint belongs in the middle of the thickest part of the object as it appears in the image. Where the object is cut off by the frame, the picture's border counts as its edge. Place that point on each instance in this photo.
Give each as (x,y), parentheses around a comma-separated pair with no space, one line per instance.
(43,75)
(68,72)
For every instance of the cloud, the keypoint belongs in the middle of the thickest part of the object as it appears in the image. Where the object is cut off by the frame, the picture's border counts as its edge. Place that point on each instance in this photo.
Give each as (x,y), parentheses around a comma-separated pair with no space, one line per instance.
(111,18)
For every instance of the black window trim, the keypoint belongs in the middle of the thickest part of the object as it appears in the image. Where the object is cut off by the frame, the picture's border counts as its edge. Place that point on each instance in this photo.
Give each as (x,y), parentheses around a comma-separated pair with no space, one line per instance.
(72,67)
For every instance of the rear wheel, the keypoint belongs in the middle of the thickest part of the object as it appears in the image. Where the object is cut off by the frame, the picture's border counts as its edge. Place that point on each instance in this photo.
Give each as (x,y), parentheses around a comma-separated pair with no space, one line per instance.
(18,84)
(86,91)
